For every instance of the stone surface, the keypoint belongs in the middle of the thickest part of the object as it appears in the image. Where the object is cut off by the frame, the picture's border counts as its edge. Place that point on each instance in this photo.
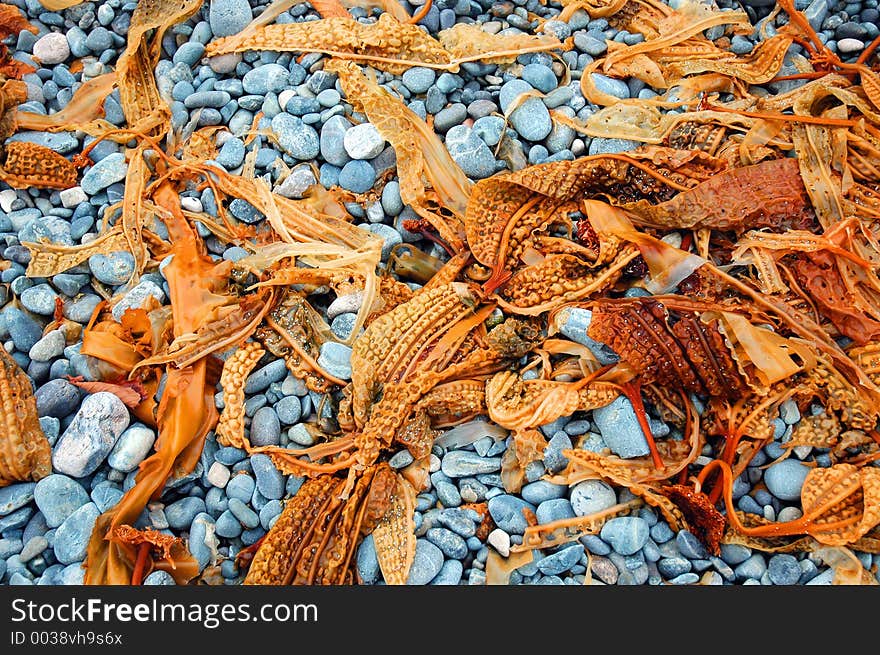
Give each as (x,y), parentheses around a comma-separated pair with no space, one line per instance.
(91,435)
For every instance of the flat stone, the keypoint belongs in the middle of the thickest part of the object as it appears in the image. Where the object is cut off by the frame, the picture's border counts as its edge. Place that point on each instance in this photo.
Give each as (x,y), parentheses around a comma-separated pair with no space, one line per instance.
(463,463)
(15,496)
(49,347)
(265,427)
(72,536)
(57,398)
(297,184)
(270,482)
(620,428)
(562,560)
(506,512)
(367,561)
(427,563)
(91,435)
(57,497)
(626,534)
(113,168)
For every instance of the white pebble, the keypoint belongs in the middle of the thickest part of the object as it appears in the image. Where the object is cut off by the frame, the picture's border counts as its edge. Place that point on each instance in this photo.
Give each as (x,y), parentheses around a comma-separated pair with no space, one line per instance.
(191,204)
(433,463)
(347,304)
(7,197)
(789,514)
(363,141)
(285,96)
(51,48)
(500,541)
(73,197)
(218,475)
(802,452)
(850,45)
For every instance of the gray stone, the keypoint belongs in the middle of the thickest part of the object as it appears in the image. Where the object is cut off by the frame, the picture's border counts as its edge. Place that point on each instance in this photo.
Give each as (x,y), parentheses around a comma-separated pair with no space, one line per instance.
(229,17)
(335,358)
(554,510)
(418,79)
(265,427)
(23,330)
(288,410)
(270,482)
(241,487)
(562,560)
(39,299)
(610,86)
(554,460)
(132,448)
(784,569)
(450,573)
(181,513)
(367,561)
(626,534)
(754,567)
(113,269)
(259,380)
(451,544)
(57,497)
(620,428)
(602,146)
(592,496)
(137,296)
(49,347)
(295,137)
(357,176)
(113,168)
(159,578)
(690,546)
(463,463)
(426,564)
(470,152)
(390,236)
(363,141)
(531,120)
(202,540)
(450,116)
(91,435)
(506,512)
(785,479)
(296,184)
(574,323)
(57,398)
(332,141)
(72,536)
(540,491)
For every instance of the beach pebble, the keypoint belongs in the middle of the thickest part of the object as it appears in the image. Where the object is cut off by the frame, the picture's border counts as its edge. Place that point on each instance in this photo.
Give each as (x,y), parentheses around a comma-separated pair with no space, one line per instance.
(335,358)
(72,536)
(49,347)
(506,511)
(112,168)
(620,428)
(470,152)
(626,534)
(51,48)
(367,561)
(57,497)
(427,563)
(297,139)
(180,514)
(91,435)
(270,482)
(357,176)
(463,463)
(266,427)
(159,578)
(229,17)
(137,297)
(784,569)
(592,496)
(113,269)
(363,141)
(562,560)
(786,479)
(132,448)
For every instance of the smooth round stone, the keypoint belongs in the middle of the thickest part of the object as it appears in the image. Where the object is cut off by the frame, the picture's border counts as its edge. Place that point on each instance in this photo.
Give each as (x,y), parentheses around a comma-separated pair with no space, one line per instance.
(610,86)
(554,510)
(297,184)
(335,358)
(470,152)
(231,154)
(91,435)
(357,176)
(51,48)
(464,463)
(541,491)
(246,516)
(181,513)
(269,512)
(510,91)
(241,487)
(450,573)
(846,46)
(672,567)
(343,324)
(49,347)
(132,448)
(39,299)
(270,482)
(57,497)
(786,479)
(295,137)
(753,568)
(113,269)
(539,76)
(531,120)
(506,512)
(227,525)
(112,168)
(288,410)
(426,564)
(784,569)
(620,428)
(592,496)
(363,141)
(332,141)
(217,475)
(72,537)
(390,237)
(418,79)
(229,17)
(259,380)
(450,116)
(23,330)
(201,539)
(451,544)
(367,561)
(626,534)
(265,428)
(690,546)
